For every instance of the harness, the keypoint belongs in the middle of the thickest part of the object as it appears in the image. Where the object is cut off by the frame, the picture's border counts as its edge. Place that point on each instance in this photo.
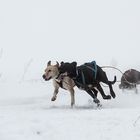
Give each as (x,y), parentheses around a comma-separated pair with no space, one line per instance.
(93,68)
(59,83)
(59,80)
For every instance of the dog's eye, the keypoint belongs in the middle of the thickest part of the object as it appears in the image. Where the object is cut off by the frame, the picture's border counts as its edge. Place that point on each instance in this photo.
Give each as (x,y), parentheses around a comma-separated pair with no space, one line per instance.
(49,70)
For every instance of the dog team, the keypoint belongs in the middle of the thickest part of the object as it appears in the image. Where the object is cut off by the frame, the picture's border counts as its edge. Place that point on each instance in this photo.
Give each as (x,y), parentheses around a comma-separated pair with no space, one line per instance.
(86,77)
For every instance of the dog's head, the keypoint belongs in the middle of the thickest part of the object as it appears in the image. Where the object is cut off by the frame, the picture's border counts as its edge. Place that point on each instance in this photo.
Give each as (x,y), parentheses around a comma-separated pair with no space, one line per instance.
(51,71)
(69,68)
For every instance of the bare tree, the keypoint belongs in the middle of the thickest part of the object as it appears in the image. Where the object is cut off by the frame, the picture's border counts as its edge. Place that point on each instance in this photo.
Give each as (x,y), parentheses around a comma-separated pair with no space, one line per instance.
(1,53)
(26,67)
(136,121)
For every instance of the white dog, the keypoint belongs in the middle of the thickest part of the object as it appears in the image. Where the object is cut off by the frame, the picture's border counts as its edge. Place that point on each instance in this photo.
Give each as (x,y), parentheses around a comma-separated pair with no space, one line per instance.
(63,81)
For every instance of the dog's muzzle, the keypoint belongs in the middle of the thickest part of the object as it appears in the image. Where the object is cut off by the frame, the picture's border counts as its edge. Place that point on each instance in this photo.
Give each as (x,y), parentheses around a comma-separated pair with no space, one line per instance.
(46,79)
(43,76)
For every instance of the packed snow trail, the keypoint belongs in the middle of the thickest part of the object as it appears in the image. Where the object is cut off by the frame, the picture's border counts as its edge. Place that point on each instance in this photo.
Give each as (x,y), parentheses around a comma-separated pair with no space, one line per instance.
(26,112)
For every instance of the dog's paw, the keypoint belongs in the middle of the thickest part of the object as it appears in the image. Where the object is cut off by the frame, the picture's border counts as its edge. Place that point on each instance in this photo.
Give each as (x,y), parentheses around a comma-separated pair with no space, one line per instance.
(53,98)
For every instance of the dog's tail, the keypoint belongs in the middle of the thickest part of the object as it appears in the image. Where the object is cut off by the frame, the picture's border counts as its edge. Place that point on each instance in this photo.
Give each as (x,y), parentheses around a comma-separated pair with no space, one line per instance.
(114,81)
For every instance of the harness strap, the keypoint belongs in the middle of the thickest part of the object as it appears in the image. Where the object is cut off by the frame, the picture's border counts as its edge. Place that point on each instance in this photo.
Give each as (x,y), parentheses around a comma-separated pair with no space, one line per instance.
(83,78)
(58,76)
(59,80)
(93,69)
(60,83)
(89,67)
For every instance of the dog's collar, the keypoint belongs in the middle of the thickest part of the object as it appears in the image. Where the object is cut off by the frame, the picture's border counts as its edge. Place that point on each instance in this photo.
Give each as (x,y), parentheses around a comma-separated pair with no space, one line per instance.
(58,76)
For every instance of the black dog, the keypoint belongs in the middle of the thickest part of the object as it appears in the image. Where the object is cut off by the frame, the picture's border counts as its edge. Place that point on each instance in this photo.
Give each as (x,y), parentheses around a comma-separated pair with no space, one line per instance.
(130,79)
(88,76)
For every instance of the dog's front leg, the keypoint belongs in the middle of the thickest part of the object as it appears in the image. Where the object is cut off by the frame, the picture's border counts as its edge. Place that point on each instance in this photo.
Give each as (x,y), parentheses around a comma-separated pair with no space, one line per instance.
(54,95)
(56,89)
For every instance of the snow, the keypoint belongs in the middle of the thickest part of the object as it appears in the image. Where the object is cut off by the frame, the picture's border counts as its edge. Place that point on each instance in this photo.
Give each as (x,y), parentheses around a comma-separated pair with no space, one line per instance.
(32,32)
(26,112)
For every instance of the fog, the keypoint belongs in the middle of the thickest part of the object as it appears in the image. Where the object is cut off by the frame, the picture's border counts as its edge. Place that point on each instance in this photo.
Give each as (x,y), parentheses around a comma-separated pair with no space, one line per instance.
(32,32)
(77,30)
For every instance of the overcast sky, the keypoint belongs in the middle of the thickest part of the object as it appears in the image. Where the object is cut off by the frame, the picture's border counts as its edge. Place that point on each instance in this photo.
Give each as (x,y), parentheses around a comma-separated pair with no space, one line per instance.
(83,30)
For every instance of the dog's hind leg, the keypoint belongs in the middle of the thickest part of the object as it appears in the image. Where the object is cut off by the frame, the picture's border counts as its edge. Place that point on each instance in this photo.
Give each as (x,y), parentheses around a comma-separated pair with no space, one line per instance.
(102,92)
(93,96)
(135,88)
(109,83)
(95,91)
(111,91)
(72,97)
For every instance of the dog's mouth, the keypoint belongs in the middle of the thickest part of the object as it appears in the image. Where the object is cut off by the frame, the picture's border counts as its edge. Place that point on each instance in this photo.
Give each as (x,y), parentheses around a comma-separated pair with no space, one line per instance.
(47,79)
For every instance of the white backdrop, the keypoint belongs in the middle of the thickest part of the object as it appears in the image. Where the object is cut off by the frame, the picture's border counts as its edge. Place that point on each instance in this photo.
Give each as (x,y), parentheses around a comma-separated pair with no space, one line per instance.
(81,30)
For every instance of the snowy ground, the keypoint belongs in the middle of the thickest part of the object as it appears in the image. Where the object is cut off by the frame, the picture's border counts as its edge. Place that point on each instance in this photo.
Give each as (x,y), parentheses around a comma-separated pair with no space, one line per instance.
(26,112)
(32,32)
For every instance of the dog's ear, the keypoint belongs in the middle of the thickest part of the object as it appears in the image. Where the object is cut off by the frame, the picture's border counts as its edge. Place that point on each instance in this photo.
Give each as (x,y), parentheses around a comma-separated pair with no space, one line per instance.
(49,63)
(57,64)
(74,63)
(62,63)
